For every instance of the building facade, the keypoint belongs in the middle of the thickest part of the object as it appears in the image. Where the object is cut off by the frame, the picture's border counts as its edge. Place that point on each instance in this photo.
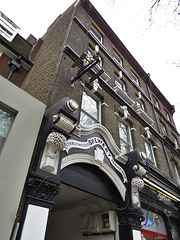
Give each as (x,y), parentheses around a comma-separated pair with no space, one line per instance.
(106,160)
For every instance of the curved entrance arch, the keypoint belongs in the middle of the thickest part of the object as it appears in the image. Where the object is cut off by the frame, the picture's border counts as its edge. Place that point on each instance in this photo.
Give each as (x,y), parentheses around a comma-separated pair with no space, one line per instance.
(89,159)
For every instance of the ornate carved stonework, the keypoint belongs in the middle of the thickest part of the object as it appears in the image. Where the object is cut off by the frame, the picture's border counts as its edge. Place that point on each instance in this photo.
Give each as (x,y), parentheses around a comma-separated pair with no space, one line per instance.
(136,184)
(55,143)
(42,189)
(130,216)
(64,123)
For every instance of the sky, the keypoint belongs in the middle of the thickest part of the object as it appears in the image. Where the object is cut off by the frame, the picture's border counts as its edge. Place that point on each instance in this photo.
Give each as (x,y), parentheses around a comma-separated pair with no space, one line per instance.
(154,43)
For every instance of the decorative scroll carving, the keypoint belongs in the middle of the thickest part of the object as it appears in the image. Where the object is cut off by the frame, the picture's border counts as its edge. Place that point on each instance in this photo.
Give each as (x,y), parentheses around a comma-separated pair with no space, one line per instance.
(64,123)
(139,170)
(42,189)
(55,143)
(130,216)
(136,184)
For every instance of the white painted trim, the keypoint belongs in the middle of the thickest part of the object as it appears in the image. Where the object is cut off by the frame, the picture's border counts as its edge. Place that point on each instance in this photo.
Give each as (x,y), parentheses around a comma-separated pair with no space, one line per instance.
(87,130)
(89,159)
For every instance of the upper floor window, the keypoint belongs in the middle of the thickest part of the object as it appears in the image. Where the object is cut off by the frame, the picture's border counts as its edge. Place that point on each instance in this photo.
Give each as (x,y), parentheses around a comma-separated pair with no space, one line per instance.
(175,142)
(90,109)
(149,151)
(140,104)
(163,129)
(119,82)
(134,78)
(167,115)
(175,171)
(125,137)
(96,33)
(156,103)
(117,58)
(6,120)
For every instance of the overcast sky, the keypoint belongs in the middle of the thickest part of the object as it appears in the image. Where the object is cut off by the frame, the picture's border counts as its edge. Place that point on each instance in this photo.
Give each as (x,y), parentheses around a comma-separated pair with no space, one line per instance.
(155,46)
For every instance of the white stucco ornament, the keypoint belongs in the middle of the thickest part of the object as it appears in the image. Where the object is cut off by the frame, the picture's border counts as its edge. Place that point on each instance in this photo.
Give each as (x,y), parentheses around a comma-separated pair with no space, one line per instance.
(55,143)
(136,184)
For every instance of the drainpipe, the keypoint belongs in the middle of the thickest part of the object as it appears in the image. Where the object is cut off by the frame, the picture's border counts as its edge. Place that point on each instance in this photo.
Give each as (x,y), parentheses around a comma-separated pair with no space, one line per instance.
(155,115)
(14,66)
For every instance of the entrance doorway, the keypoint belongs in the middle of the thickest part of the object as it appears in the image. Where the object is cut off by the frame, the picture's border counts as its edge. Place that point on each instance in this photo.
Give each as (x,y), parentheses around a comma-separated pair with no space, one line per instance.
(66,221)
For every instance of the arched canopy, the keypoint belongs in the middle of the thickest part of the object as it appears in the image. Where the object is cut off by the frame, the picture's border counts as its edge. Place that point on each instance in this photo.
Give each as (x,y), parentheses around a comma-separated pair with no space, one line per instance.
(78,158)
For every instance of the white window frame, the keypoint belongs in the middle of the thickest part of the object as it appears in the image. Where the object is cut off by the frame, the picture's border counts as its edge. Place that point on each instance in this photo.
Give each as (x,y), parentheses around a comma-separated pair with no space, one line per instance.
(12,115)
(140,103)
(117,58)
(119,83)
(175,171)
(163,129)
(129,144)
(156,103)
(95,98)
(96,34)
(135,78)
(152,152)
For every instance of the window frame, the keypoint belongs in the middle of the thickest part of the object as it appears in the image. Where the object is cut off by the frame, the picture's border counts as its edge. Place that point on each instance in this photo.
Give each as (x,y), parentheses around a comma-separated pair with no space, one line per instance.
(135,77)
(129,143)
(120,83)
(96,33)
(163,129)
(141,103)
(152,160)
(117,58)
(12,113)
(175,171)
(156,103)
(98,101)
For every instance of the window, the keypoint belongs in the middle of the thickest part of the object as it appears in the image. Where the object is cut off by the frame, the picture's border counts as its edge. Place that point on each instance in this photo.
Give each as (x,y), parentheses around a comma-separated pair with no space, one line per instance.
(175,142)
(121,84)
(149,151)
(156,103)
(125,138)
(175,171)
(96,33)
(6,119)
(90,109)
(163,129)
(140,104)
(117,58)
(167,115)
(153,226)
(134,78)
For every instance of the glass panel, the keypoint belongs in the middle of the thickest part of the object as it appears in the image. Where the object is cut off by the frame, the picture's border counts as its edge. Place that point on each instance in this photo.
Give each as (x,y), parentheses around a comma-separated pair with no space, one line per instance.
(163,129)
(174,231)
(86,120)
(90,105)
(90,110)
(123,131)
(118,58)
(175,170)
(140,105)
(149,152)
(153,227)
(124,137)
(96,33)
(6,119)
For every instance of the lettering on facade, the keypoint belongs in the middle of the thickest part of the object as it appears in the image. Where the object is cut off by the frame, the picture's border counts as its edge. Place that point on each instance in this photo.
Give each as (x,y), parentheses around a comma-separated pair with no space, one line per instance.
(90,142)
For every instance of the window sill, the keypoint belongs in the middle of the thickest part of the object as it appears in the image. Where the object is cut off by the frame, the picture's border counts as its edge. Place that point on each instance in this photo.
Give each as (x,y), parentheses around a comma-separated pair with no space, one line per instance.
(145,116)
(123,94)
